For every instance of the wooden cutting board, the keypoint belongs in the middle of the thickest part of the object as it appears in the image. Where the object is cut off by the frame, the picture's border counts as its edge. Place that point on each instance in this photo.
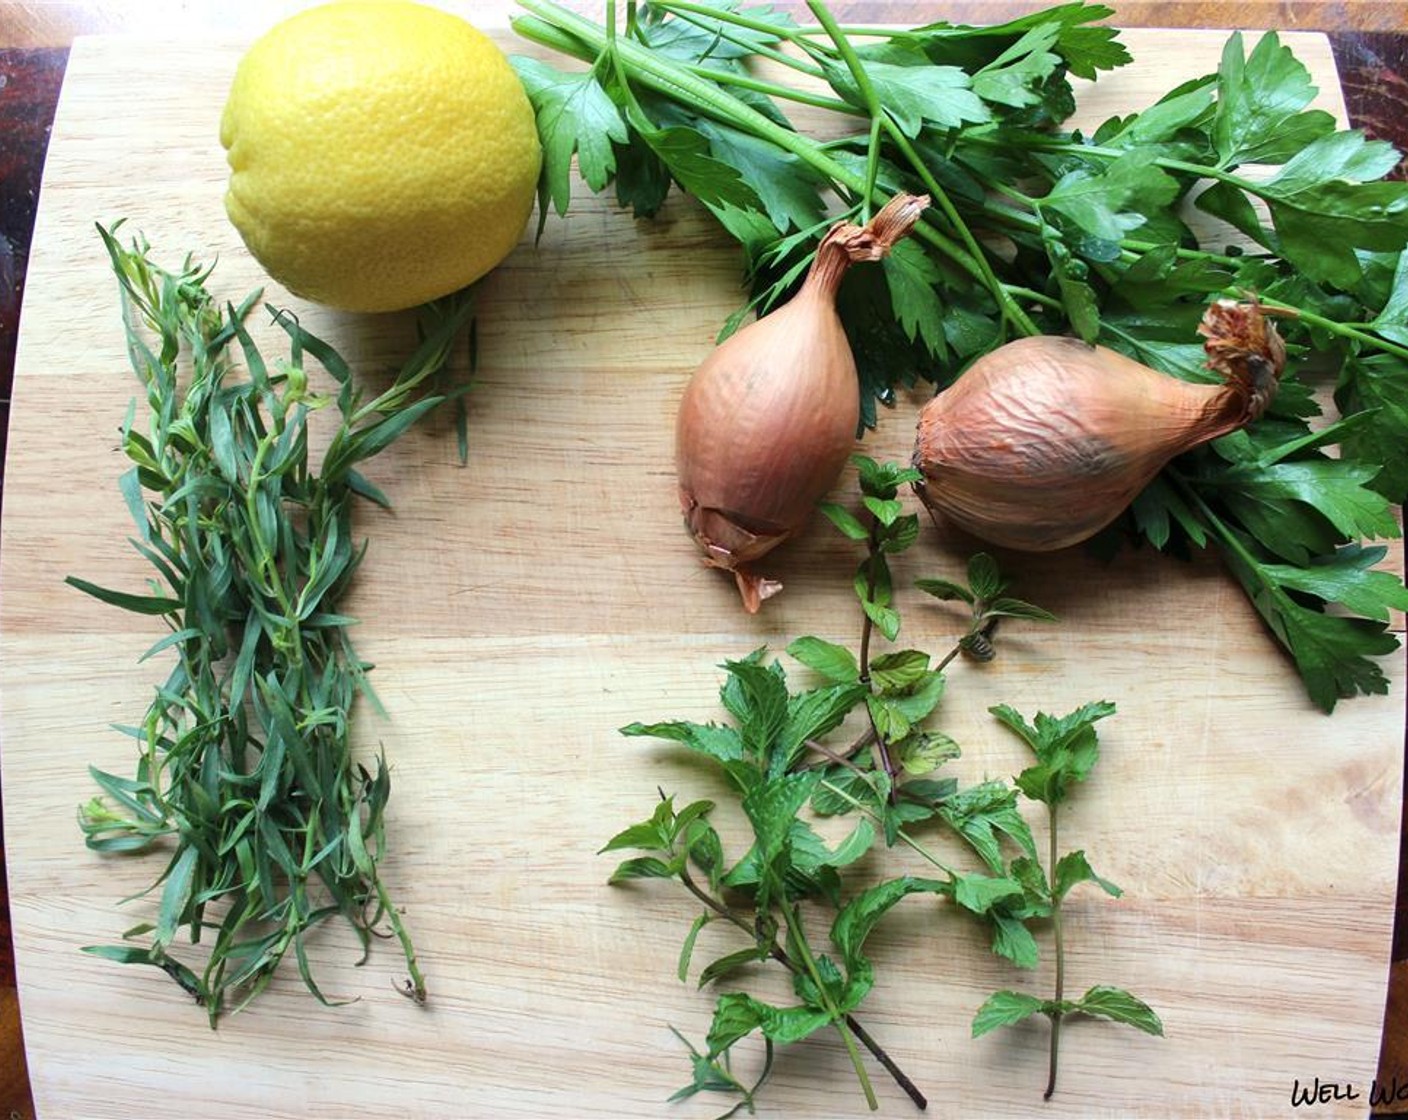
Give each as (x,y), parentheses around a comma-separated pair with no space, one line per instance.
(519,610)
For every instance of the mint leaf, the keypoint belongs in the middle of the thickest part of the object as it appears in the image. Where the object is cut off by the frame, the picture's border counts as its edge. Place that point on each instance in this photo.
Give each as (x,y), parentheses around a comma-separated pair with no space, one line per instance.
(945,589)
(1013,940)
(900,670)
(859,916)
(729,963)
(984,812)
(642,867)
(812,714)
(844,520)
(756,696)
(1119,1006)
(721,743)
(980,893)
(832,661)
(1002,1009)
(884,510)
(984,577)
(1073,868)
(886,620)
(926,752)
(772,808)
(919,699)
(1066,748)
(1004,607)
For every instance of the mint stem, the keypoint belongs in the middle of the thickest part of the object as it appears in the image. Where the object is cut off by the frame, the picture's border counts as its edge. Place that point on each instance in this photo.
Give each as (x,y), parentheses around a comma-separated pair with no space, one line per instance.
(1060,960)
(780,955)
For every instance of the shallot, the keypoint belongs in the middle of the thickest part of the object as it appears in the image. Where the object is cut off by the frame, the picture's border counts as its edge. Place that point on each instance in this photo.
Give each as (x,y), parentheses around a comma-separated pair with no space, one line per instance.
(1044,441)
(769,419)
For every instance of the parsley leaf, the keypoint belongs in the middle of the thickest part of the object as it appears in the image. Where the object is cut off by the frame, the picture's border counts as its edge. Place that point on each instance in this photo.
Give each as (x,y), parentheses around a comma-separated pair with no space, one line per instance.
(1260,100)
(914,93)
(575,116)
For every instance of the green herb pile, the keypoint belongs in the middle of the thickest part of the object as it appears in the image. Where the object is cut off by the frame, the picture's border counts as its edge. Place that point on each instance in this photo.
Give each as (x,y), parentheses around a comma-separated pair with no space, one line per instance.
(1038,229)
(245,772)
(857,743)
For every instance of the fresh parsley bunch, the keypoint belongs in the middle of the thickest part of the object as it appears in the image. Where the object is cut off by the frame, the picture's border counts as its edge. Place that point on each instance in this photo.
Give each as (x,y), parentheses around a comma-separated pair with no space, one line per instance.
(1038,228)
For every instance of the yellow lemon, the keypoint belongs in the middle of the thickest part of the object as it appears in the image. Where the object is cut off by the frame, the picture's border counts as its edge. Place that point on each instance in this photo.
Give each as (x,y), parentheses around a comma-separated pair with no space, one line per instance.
(382,153)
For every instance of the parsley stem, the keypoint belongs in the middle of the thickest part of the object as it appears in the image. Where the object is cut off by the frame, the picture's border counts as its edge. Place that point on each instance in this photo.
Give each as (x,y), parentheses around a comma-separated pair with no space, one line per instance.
(713,21)
(881,118)
(1352,331)
(1010,309)
(678,81)
(1070,147)
(777,89)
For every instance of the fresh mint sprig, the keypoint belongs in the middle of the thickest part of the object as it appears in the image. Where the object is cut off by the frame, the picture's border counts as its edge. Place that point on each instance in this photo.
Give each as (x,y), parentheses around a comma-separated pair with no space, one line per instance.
(1066,750)
(857,742)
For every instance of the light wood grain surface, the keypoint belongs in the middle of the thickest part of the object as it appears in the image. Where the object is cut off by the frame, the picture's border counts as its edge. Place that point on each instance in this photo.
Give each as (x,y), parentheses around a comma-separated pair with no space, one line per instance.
(521,609)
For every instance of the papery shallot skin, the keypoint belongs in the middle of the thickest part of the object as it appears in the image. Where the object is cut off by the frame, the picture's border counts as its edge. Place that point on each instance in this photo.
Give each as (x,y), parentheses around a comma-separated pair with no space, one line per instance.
(770,417)
(785,390)
(1043,442)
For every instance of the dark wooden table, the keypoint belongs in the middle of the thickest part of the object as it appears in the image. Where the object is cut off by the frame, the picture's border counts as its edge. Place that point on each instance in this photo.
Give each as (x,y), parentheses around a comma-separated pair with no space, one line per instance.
(1370,41)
